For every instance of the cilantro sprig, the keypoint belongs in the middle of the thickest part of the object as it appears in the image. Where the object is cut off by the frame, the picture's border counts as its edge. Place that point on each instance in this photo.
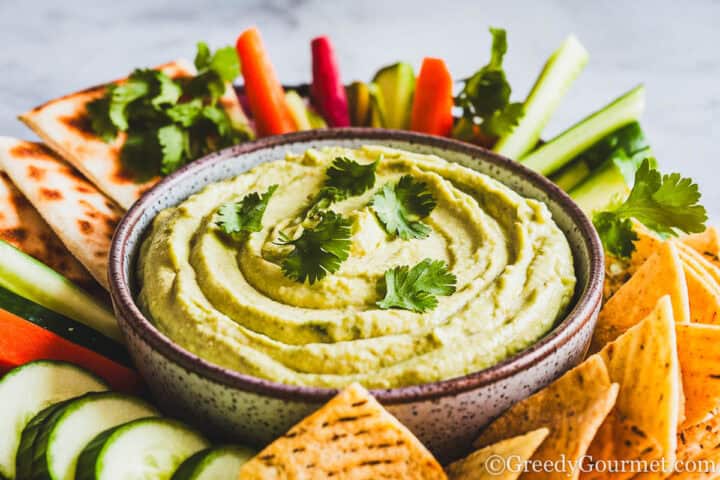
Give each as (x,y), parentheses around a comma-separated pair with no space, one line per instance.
(485,97)
(667,204)
(417,288)
(169,122)
(319,250)
(344,178)
(402,206)
(239,219)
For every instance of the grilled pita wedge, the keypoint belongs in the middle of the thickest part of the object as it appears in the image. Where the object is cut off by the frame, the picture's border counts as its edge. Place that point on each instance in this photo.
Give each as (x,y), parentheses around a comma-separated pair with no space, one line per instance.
(82,217)
(63,124)
(350,437)
(23,228)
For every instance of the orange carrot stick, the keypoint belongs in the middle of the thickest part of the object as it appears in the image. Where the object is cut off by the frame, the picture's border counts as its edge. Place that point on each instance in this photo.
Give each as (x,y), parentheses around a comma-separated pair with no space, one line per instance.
(265,93)
(433,102)
(23,341)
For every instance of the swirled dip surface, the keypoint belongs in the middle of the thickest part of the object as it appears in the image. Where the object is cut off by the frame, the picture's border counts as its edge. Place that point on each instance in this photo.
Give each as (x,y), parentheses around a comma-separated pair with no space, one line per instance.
(230,303)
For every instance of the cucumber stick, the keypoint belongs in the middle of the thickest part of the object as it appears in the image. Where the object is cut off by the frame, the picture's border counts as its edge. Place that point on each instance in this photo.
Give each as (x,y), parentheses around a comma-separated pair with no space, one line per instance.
(29,389)
(148,448)
(66,431)
(214,463)
(558,74)
(562,149)
(31,279)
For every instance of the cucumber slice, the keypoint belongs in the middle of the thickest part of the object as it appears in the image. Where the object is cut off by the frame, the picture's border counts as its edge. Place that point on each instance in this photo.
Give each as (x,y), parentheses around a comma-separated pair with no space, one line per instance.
(25,276)
(562,149)
(214,463)
(65,433)
(67,328)
(558,74)
(27,390)
(147,448)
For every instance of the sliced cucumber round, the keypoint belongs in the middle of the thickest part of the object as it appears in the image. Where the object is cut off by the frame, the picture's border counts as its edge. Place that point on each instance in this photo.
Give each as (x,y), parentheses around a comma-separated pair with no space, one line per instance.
(27,390)
(147,448)
(214,463)
(66,431)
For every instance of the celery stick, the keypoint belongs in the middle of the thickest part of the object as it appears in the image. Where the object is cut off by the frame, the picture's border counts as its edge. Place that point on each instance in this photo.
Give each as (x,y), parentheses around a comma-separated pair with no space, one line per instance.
(572,175)
(33,280)
(562,149)
(556,77)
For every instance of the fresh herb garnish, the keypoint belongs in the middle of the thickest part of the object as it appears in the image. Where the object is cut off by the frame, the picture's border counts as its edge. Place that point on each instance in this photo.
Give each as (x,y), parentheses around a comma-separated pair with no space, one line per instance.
(344,178)
(666,204)
(319,250)
(169,122)
(400,208)
(416,288)
(239,219)
(485,97)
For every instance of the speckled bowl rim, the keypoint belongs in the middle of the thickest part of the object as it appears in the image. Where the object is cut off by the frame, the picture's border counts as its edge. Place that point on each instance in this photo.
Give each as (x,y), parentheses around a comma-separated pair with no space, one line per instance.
(582,312)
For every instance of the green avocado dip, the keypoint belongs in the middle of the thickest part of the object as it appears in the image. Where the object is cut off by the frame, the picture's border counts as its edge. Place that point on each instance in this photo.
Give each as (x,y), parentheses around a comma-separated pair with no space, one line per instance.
(244,301)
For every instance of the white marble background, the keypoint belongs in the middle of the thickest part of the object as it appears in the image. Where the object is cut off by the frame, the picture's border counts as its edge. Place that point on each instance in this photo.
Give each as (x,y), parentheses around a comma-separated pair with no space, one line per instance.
(53,47)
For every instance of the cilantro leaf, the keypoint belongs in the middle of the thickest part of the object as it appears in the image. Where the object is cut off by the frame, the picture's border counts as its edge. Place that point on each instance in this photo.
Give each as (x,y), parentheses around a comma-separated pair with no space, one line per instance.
(485,97)
(320,250)
(667,204)
(100,122)
(239,219)
(202,56)
(400,208)
(172,140)
(416,288)
(350,177)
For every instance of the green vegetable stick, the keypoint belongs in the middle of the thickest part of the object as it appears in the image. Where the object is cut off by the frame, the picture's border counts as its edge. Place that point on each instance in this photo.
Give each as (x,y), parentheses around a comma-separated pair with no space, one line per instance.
(562,149)
(558,74)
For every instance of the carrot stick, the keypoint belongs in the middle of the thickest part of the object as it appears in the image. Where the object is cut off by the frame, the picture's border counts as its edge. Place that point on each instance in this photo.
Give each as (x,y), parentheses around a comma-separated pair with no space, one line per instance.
(433,102)
(265,93)
(22,342)
(328,91)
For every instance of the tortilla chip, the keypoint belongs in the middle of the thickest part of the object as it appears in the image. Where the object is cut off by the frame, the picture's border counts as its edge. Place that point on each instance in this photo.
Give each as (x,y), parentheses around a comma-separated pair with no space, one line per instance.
(706,243)
(22,227)
(516,450)
(78,213)
(643,423)
(63,124)
(703,291)
(700,366)
(662,274)
(351,437)
(572,408)
(698,440)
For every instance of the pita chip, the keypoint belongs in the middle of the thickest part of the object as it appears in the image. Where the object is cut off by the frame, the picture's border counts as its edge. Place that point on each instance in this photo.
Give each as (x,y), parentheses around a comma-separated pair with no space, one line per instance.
(22,227)
(706,243)
(703,290)
(700,366)
(64,125)
(572,408)
(643,424)
(516,450)
(350,437)
(662,274)
(82,217)
(699,450)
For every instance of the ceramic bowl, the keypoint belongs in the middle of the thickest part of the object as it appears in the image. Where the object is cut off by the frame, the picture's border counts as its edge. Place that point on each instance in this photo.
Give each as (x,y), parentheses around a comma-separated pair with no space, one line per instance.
(445,415)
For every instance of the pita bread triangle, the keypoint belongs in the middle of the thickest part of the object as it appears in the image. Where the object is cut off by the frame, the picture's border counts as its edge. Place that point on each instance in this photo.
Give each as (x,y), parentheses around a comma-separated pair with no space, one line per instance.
(63,124)
(662,274)
(643,423)
(23,228)
(518,449)
(572,408)
(350,437)
(82,217)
